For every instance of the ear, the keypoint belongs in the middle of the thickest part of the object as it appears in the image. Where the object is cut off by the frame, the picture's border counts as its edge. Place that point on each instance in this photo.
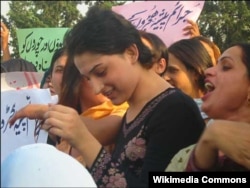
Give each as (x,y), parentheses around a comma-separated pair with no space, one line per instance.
(160,66)
(132,53)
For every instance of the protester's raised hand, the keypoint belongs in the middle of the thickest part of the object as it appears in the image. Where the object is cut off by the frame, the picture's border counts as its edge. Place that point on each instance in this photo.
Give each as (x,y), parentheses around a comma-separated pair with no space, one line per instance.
(31,111)
(4,35)
(192,29)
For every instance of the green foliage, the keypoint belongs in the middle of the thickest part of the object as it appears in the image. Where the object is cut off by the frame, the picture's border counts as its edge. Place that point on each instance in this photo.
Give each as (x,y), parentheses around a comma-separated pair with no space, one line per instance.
(226,22)
(105,4)
(35,14)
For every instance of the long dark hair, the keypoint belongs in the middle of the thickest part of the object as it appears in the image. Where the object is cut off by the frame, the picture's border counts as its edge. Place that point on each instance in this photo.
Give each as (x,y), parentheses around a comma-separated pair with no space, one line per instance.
(159,48)
(194,57)
(103,31)
(245,47)
(71,86)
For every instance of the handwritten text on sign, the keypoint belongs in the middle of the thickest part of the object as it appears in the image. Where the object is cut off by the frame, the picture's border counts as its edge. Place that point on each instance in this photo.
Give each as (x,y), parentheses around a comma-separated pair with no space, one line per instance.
(164,18)
(24,131)
(38,45)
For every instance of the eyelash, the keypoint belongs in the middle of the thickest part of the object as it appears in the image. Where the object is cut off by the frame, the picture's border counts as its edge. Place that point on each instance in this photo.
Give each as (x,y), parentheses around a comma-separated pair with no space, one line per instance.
(172,70)
(225,68)
(101,74)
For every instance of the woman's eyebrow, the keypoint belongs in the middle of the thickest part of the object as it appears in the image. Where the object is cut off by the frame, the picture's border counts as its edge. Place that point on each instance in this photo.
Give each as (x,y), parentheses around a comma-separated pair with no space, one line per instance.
(224,57)
(97,65)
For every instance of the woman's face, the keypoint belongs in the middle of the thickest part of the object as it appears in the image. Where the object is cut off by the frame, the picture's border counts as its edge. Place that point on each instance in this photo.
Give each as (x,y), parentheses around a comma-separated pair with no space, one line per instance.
(228,86)
(114,76)
(178,76)
(88,95)
(57,73)
(49,85)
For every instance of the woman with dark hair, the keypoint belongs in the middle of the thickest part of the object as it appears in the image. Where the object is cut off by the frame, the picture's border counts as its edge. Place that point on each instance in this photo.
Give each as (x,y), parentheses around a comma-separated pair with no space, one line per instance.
(108,52)
(53,75)
(225,143)
(101,117)
(188,60)
(225,146)
(159,51)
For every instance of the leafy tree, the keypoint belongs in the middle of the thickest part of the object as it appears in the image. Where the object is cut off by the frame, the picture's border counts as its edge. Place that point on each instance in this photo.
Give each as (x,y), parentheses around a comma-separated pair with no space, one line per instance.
(106,4)
(31,14)
(226,22)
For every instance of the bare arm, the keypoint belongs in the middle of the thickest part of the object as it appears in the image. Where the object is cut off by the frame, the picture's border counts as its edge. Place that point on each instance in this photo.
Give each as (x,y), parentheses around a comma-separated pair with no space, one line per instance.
(104,129)
(31,111)
(4,42)
(230,137)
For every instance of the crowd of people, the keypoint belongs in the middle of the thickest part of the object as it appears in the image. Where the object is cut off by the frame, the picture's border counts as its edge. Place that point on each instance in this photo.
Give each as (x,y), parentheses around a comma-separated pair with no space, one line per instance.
(129,105)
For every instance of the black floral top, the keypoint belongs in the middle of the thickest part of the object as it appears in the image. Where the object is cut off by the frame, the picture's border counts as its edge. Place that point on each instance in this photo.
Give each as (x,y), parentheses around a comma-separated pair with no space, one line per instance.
(166,124)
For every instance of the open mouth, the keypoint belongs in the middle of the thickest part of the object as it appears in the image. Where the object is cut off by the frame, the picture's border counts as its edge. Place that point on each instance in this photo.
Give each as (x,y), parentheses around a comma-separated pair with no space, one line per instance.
(209,87)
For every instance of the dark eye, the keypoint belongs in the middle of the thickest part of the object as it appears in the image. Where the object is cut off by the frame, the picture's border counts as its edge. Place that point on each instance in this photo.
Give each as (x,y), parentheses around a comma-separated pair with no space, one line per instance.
(172,70)
(225,68)
(225,65)
(100,73)
(59,70)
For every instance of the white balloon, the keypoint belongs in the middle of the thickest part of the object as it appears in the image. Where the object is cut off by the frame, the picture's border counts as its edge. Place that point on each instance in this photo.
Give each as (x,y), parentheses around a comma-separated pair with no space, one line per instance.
(42,165)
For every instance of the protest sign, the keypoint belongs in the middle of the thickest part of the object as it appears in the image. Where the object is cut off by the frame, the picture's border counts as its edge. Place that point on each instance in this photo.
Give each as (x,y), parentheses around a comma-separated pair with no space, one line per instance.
(24,131)
(20,80)
(163,18)
(37,45)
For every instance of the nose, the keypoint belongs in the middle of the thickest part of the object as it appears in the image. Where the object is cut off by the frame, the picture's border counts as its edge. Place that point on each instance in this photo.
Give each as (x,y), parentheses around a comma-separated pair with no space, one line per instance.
(97,85)
(210,71)
(50,84)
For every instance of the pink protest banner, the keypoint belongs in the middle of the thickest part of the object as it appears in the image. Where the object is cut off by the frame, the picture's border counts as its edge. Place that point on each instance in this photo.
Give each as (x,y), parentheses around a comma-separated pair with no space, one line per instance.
(163,18)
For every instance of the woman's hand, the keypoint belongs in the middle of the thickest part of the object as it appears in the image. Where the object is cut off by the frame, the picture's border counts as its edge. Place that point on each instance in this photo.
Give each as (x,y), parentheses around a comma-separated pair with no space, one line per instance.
(65,122)
(31,111)
(192,29)
(230,137)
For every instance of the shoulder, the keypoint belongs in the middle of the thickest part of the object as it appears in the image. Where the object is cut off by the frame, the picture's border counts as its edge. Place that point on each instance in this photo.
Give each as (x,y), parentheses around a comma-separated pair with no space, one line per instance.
(176,98)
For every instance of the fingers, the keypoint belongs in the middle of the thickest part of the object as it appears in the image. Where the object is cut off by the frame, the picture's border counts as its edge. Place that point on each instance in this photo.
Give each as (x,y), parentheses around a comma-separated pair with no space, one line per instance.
(4,30)
(31,111)
(192,29)
(19,114)
(191,22)
(3,26)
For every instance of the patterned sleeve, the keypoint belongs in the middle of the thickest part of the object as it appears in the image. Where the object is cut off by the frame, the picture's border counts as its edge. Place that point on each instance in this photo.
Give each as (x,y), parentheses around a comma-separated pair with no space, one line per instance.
(99,164)
(191,167)
(106,173)
(180,160)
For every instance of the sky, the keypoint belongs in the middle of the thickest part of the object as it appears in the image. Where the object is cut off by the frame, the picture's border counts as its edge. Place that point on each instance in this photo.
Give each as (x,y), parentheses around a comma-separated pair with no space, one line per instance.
(82,8)
(5,8)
